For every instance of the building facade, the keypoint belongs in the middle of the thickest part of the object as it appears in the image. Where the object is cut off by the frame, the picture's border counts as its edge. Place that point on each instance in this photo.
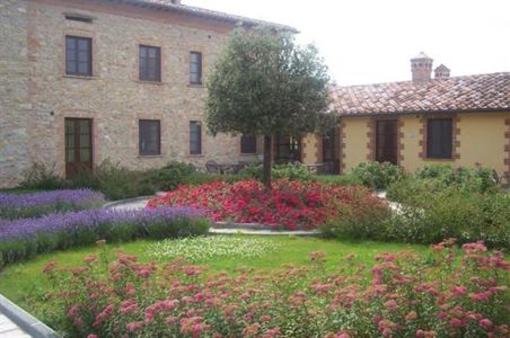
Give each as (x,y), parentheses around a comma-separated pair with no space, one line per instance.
(85,81)
(462,121)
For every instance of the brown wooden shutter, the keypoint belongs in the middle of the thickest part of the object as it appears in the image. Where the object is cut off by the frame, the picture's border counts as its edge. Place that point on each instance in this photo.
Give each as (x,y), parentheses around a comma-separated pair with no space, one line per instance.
(439,138)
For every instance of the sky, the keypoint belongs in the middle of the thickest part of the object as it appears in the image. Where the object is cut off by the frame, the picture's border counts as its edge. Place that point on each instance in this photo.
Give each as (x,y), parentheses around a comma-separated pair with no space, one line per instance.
(371,41)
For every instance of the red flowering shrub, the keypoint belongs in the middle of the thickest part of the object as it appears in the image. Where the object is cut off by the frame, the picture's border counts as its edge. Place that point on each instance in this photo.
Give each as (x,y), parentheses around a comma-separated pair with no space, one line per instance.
(289,204)
(402,295)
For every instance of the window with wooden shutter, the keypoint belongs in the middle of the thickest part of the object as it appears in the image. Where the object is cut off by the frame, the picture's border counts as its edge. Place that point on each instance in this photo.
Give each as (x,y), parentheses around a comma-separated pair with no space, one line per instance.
(150,137)
(195,72)
(78,56)
(150,63)
(195,138)
(440,138)
(248,144)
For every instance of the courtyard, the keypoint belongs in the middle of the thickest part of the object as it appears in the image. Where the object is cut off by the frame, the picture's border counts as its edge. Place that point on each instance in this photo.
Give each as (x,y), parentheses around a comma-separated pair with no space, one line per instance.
(317,256)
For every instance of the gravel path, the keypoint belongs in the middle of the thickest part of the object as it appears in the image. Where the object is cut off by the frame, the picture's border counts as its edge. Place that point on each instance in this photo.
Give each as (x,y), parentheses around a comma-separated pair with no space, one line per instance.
(135,204)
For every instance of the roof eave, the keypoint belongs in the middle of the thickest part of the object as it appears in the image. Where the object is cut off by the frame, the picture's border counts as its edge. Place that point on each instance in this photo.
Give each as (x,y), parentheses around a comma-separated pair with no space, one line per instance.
(425,112)
(218,16)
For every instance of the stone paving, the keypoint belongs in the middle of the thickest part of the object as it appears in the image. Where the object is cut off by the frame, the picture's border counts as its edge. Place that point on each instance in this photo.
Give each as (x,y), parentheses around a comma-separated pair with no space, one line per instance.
(10,330)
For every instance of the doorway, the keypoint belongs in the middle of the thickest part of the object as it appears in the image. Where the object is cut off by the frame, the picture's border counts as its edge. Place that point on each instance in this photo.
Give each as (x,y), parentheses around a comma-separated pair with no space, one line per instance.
(386,148)
(78,141)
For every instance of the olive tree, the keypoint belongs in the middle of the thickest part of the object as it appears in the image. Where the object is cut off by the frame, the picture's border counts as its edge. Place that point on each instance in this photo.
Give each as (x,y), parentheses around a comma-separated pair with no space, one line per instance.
(266,84)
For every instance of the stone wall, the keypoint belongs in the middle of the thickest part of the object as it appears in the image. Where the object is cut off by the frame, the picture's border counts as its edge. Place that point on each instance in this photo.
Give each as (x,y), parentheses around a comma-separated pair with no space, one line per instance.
(15,105)
(38,96)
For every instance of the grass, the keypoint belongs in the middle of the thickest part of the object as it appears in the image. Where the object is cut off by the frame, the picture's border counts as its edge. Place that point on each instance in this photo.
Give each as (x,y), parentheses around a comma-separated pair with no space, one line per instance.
(24,284)
(19,190)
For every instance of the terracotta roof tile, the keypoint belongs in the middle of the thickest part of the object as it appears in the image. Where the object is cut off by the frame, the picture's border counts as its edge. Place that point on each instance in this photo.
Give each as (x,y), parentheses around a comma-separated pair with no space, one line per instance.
(485,92)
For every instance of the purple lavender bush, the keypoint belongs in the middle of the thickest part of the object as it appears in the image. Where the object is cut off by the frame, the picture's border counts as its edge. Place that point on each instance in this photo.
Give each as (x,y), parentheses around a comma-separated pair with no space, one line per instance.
(14,206)
(20,239)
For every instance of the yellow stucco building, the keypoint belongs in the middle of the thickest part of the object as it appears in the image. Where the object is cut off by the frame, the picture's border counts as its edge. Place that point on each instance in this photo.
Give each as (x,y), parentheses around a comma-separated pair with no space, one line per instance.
(462,121)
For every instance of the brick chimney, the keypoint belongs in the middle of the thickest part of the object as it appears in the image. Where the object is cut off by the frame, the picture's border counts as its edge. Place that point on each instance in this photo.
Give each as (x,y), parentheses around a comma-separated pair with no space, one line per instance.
(441,72)
(421,67)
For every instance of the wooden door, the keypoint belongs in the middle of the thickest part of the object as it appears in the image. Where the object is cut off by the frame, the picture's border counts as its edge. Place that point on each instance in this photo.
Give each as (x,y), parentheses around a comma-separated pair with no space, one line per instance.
(386,148)
(78,138)
(330,152)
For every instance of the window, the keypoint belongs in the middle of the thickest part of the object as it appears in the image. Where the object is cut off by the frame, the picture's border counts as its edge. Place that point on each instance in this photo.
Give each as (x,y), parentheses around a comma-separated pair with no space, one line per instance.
(78,56)
(78,17)
(150,137)
(439,138)
(195,71)
(195,138)
(150,63)
(288,149)
(328,145)
(248,144)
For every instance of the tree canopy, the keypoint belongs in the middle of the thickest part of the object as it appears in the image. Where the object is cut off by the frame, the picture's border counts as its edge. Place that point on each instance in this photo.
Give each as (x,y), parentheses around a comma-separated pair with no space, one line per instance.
(266,84)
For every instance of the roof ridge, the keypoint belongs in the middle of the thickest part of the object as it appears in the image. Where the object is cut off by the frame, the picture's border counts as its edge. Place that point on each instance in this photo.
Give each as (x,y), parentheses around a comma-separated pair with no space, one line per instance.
(199,11)
(410,81)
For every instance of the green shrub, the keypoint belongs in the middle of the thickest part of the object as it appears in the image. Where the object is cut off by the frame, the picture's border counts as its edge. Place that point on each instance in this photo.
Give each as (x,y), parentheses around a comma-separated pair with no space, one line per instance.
(409,189)
(253,170)
(361,219)
(338,179)
(199,178)
(170,176)
(114,181)
(453,213)
(436,178)
(289,170)
(292,172)
(469,179)
(41,177)
(377,175)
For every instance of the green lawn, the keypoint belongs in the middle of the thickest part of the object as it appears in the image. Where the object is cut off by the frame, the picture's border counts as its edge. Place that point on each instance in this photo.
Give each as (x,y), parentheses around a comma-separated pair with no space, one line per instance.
(24,284)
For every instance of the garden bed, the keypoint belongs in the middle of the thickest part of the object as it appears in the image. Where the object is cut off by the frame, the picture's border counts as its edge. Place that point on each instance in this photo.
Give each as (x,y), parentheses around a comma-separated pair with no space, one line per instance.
(290,205)
(329,295)
(24,238)
(35,204)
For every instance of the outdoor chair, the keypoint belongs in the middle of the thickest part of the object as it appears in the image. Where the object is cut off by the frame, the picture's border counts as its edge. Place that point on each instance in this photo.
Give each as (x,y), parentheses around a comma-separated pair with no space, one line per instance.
(212,167)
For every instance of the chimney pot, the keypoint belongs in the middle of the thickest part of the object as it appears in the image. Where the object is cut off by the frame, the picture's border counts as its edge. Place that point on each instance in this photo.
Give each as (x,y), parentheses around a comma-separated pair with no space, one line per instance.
(421,67)
(441,72)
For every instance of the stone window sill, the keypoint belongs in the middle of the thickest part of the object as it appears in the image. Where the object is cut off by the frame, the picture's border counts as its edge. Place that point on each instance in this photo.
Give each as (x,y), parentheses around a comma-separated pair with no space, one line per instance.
(432,159)
(150,156)
(157,83)
(196,155)
(196,85)
(80,77)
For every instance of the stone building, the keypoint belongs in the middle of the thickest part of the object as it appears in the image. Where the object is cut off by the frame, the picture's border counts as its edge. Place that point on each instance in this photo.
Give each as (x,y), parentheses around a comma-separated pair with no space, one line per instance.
(82,81)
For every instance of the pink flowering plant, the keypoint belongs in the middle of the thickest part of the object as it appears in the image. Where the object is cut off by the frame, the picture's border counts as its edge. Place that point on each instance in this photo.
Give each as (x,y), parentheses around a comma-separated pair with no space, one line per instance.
(449,292)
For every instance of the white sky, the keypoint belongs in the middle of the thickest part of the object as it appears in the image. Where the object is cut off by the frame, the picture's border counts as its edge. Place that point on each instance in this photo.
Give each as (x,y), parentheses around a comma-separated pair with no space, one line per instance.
(368,41)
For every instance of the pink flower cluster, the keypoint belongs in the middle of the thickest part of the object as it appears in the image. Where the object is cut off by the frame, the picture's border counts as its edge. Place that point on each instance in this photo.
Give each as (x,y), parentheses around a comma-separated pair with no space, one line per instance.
(401,295)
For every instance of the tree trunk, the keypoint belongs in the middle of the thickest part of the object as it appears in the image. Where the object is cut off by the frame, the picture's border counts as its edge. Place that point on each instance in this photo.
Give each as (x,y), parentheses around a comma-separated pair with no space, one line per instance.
(268,160)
